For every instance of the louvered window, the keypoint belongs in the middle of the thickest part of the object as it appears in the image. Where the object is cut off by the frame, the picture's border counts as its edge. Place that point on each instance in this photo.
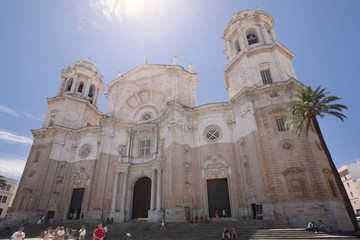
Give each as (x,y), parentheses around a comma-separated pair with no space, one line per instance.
(266,77)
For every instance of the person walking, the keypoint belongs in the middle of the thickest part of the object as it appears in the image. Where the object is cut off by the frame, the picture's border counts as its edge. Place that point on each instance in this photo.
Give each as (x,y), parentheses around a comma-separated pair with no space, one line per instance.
(224,213)
(162,224)
(128,236)
(82,233)
(216,214)
(19,234)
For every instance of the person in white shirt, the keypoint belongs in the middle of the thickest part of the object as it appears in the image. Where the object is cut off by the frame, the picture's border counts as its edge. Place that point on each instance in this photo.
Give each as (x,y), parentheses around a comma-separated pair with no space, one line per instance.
(18,235)
(82,233)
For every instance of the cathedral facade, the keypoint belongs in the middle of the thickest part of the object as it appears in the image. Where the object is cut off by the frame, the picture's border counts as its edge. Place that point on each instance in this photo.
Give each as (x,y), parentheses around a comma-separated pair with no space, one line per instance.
(155,153)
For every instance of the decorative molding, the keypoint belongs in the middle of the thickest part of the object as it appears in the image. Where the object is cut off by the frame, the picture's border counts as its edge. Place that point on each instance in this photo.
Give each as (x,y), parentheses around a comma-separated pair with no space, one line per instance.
(79,179)
(215,167)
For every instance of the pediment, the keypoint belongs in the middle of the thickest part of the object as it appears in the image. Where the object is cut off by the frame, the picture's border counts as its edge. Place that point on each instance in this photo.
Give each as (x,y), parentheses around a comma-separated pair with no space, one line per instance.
(145,71)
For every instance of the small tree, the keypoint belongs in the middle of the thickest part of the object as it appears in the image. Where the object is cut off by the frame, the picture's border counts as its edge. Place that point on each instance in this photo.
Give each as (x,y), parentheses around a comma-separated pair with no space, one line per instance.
(304,111)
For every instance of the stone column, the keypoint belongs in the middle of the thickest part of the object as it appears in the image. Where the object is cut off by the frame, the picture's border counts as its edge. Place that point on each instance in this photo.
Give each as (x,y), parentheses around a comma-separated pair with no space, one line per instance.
(272,33)
(158,191)
(115,191)
(96,99)
(123,196)
(156,143)
(241,40)
(152,201)
(86,87)
(73,86)
(128,150)
(264,32)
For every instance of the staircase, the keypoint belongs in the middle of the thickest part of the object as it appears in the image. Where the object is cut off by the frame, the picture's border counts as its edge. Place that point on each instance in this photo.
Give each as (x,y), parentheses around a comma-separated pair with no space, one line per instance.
(254,229)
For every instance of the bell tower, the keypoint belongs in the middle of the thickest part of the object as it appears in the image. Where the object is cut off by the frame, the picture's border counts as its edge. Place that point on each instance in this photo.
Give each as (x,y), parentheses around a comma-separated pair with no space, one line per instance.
(254,55)
(75,105)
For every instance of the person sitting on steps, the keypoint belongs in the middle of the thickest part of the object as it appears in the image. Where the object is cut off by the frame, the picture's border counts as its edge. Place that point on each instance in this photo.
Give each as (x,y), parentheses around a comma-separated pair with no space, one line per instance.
(225,233)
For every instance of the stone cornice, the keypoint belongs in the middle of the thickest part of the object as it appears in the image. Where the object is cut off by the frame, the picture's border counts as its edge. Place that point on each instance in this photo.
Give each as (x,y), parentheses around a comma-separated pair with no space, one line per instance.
(254,89)
(63,97)
(261,48)
(56,128)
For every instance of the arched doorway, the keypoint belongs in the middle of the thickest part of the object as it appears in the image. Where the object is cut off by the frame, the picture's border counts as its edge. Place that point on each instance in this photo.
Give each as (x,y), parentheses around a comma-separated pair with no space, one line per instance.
(141,198)
(218,196)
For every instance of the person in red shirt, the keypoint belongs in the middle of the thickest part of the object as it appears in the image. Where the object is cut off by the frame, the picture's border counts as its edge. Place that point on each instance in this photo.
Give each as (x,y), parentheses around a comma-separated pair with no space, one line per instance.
(99,233)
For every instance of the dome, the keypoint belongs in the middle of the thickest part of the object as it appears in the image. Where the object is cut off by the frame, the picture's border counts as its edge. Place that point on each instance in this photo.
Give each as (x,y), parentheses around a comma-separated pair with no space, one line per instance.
(86,63)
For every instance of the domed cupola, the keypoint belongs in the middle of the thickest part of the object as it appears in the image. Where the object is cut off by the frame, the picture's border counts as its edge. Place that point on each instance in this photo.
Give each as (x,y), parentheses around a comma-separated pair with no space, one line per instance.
(254,55)
(82,80)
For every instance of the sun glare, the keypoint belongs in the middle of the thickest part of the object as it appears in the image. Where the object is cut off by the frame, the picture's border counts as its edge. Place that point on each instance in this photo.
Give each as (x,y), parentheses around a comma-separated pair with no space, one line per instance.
(134,7)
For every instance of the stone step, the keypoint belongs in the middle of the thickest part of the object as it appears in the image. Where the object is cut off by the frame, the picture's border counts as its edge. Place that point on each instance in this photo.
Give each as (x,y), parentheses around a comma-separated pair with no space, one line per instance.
(140,230)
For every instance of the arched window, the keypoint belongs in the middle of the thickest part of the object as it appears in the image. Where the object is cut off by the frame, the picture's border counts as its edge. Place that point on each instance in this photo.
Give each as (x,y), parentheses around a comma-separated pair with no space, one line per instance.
(69,84)
(80,88)
(91,93)
(252,39)
(237,46)
(52,120)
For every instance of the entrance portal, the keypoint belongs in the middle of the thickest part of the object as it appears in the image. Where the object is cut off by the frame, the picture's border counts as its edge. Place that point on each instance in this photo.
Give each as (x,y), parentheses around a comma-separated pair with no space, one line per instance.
(218,197)
(141,198)
(76,202)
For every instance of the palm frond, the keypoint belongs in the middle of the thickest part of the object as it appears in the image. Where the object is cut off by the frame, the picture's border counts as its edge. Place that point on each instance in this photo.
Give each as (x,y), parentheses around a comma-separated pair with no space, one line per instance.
(310,104)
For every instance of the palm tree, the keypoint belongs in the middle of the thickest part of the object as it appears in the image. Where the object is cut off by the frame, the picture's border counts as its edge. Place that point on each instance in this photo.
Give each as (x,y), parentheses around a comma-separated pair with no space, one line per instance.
(305,110)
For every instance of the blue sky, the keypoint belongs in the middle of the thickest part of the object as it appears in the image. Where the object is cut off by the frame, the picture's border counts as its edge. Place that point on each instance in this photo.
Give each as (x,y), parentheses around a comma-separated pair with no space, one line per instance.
(40,38)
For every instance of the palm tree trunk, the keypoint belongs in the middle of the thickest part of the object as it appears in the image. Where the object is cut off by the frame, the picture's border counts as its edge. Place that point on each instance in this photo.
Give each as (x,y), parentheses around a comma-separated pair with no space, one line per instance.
(336,174)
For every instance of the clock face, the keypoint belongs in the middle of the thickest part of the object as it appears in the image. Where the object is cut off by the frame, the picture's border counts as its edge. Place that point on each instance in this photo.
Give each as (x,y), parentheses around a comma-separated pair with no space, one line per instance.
(85,151)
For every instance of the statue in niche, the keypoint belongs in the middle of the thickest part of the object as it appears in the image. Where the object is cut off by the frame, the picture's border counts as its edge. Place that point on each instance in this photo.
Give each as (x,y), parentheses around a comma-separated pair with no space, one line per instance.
(187,200)
(121,149)
(52,205)
(251,197)
(59,180)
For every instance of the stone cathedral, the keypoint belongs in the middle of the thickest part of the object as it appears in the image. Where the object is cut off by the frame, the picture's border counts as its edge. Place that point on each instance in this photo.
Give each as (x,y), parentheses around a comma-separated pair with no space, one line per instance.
(155,153)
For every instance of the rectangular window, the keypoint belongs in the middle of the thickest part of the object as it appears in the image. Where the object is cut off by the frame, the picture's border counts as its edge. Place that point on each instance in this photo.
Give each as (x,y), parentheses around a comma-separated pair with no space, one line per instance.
(2,187)
(1,210)
(4,199)
(145,148)
(280,125)
(266,77)
(8,187)
(0,198)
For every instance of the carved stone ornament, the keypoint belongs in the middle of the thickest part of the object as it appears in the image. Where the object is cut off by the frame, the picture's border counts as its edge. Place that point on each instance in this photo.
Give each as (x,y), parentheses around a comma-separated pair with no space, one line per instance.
(187,201)
(79,179)
(52,205)
(215,167)
(72,116)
